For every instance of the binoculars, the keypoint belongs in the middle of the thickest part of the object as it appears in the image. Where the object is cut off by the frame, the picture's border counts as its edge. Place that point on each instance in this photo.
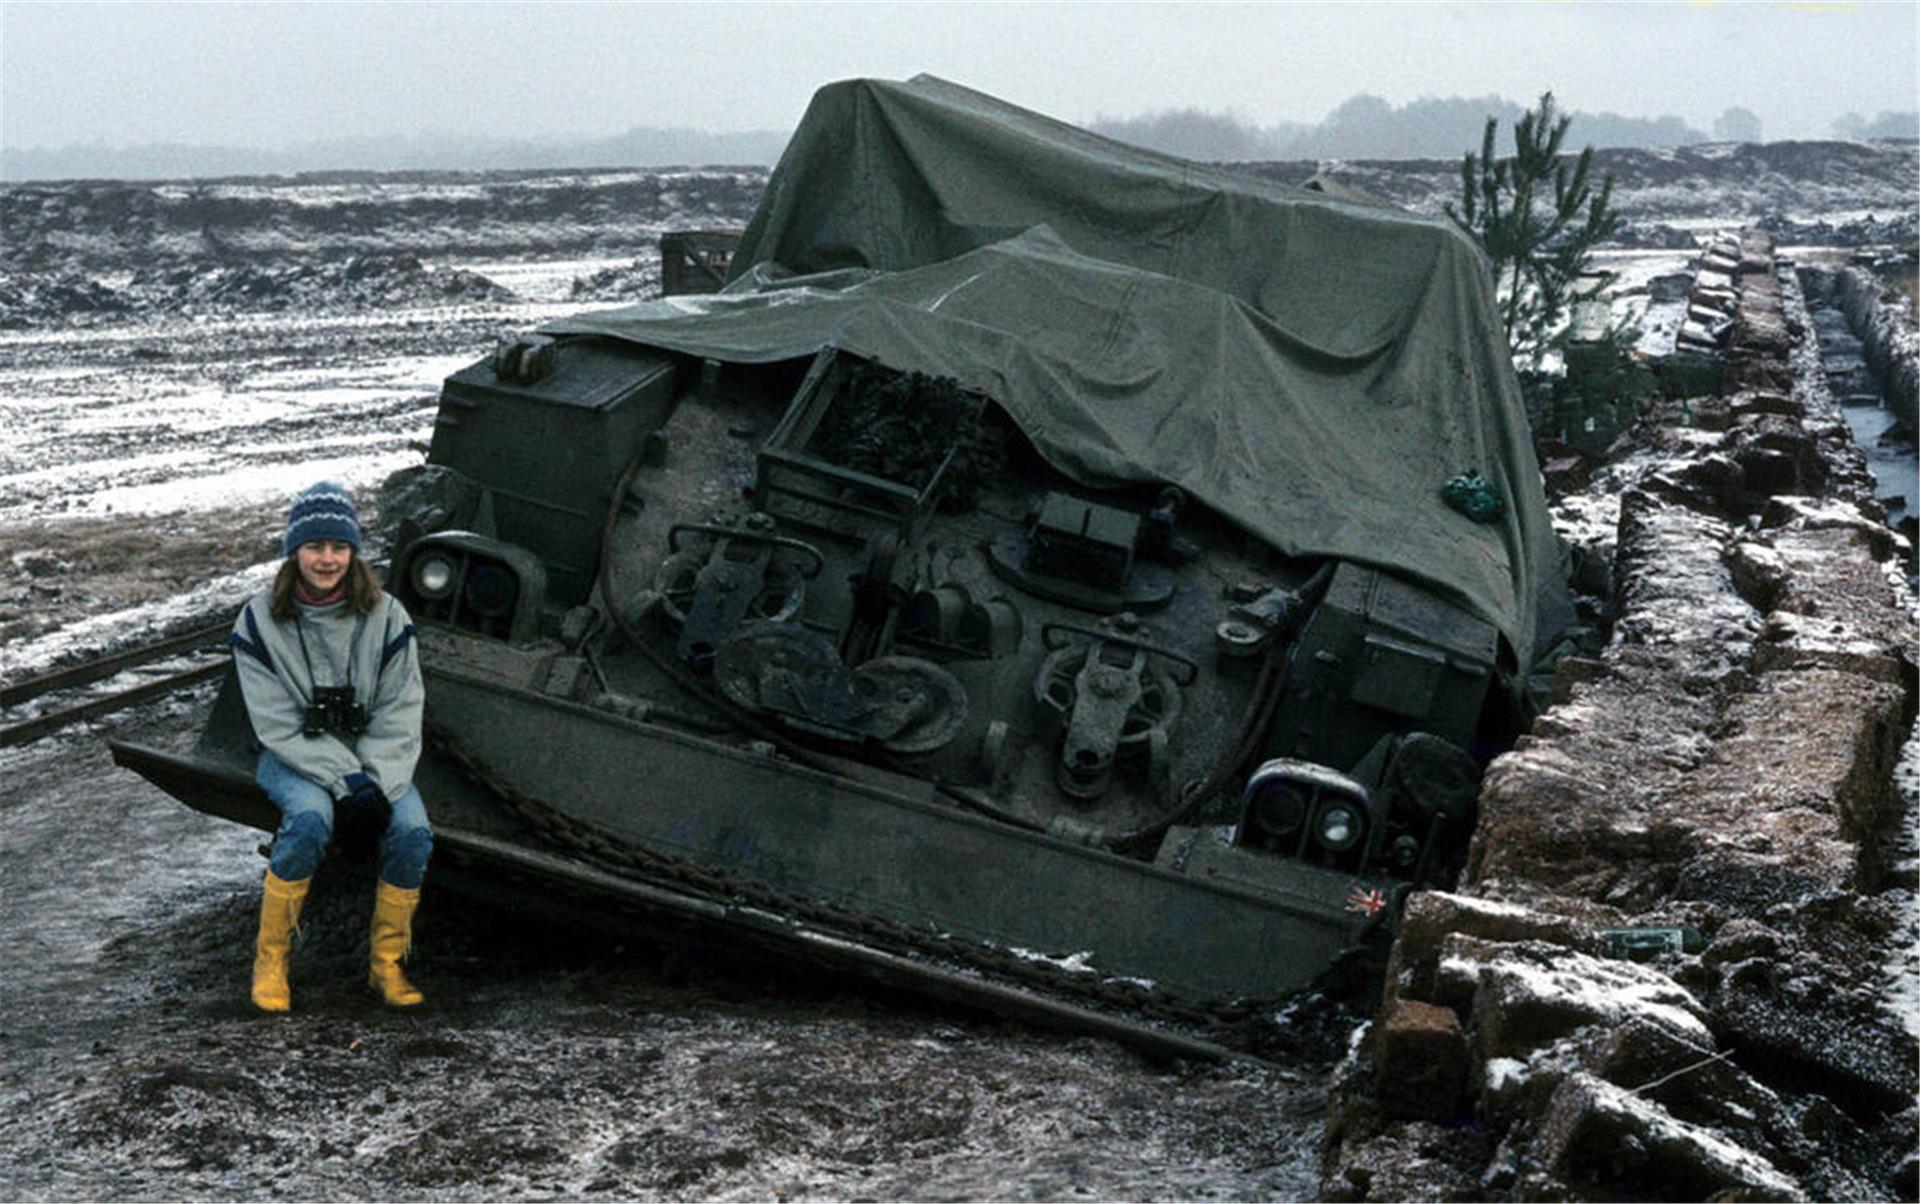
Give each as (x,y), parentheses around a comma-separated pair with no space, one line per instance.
(333,709)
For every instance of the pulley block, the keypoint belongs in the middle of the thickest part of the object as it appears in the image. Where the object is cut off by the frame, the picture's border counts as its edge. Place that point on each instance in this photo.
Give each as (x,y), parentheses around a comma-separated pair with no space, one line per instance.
(1115,696)
(745,574)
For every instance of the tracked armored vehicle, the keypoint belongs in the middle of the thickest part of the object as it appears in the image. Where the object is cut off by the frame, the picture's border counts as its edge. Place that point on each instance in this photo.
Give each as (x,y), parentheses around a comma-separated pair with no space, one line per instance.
(1073,580)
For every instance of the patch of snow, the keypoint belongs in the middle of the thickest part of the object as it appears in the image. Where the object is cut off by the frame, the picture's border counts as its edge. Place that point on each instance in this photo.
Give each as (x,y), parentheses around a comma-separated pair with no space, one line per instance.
(1902,977)
(1480,906)
(508,312)
(1588,519)
(1503,1073)
(272,482)
(189,437)
(544,280)
(1073,963)
(1609,991)
(1659,325)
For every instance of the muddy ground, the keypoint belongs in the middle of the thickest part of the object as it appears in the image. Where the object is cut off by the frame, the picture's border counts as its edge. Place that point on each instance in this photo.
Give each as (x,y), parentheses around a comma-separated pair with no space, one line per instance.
(133,1066)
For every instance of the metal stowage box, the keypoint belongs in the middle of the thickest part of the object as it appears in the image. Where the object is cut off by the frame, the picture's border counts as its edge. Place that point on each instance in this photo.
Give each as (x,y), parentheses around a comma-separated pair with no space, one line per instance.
(550,451)
(1381,657)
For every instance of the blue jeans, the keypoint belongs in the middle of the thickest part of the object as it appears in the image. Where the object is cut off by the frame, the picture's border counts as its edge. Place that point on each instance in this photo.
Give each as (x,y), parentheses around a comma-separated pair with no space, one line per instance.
(306,827)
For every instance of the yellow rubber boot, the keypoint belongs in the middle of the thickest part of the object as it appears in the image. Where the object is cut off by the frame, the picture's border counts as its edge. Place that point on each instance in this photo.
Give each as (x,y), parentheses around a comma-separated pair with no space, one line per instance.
(280,903)
(391,938)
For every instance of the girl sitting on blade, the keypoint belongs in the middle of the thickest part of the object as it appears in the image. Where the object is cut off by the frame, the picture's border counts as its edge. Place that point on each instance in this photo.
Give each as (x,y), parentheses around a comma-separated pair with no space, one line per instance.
(331,678)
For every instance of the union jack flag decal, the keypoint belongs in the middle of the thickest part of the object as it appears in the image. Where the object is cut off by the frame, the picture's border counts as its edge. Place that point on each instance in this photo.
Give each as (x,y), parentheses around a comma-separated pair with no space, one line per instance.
(1366,900)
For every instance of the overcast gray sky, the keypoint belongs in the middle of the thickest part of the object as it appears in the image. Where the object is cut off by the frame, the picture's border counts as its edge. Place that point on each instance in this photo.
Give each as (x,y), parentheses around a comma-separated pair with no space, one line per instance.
(271,75)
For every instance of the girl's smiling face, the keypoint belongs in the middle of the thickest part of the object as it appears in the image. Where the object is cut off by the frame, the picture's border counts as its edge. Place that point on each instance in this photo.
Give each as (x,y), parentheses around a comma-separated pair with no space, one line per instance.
(323,563)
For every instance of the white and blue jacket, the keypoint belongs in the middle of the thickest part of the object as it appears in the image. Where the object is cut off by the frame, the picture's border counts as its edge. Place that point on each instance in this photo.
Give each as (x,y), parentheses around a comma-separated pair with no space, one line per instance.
(375,654)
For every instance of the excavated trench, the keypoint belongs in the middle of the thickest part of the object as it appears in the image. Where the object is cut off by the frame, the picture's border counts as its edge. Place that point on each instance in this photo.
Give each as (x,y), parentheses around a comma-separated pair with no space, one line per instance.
(1868,353)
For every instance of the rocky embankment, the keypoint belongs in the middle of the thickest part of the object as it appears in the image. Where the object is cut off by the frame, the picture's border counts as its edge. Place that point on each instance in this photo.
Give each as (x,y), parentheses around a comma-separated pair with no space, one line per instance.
(358,284)
(102,252)
(109,225)
(1722,773)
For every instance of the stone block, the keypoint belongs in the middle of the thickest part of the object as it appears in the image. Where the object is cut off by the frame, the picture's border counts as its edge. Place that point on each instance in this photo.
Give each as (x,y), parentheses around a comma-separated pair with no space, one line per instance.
(1757,371)
(1711,413)
(1802,775)
(1760,573)
(1713,484)
(1529,994)
(1545,814)
(1815,514)
(1792,642)
(1603,1138)
(1766,403)
(1842,1043)
(1763,287)
(1735,880)
(1420,1061)
(1409,1160)
(1760,333)
(1756,247)
(1674,589)
(1739,939)
(1567,474)
(1699,1085)
(1779,456)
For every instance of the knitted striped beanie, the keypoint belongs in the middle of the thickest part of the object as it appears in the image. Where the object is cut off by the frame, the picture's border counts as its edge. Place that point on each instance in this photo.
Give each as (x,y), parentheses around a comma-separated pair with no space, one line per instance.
(322,511)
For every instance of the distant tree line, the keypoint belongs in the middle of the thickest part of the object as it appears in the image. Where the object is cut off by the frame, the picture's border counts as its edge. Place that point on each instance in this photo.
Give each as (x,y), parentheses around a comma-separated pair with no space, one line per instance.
(1856,128)
(1364,127)
(1368,127)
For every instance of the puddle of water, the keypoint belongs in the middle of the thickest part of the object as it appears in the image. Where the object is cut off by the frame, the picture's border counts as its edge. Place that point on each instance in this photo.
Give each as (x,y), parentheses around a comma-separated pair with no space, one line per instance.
(1890,453)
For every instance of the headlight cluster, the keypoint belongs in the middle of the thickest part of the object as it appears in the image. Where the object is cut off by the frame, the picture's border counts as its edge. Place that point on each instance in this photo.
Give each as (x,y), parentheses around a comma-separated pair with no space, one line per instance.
(473,582)
(1278,809)
(1305,810)
(1340,827)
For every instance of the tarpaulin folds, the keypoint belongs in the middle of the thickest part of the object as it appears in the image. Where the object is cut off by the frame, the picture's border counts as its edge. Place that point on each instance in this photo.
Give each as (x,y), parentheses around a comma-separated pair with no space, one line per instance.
(1312,367)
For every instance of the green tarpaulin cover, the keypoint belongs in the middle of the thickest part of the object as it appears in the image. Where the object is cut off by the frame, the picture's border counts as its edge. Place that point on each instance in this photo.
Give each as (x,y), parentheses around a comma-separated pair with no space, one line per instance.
(1315,368)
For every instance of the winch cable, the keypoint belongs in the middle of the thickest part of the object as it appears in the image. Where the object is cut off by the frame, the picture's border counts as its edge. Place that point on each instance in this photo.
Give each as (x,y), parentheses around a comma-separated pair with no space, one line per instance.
(680,676)
(1262,704)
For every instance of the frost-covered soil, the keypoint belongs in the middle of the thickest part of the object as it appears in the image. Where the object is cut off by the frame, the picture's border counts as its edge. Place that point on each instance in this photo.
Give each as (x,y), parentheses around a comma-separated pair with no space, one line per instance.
(175,361)
(1831,193)
(547,1063)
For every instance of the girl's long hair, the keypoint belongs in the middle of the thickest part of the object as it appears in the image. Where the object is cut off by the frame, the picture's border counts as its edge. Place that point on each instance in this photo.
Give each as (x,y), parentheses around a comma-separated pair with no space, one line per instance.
(363,588)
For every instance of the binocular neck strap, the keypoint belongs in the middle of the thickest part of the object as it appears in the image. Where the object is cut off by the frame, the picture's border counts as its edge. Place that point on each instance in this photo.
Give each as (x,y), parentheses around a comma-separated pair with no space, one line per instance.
(353,649)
